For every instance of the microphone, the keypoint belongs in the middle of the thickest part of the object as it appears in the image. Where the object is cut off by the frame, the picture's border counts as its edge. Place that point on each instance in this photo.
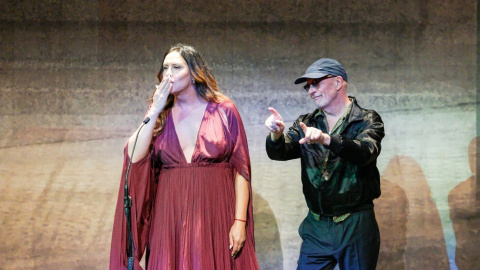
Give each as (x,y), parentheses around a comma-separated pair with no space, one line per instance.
(146,120)
(127,202)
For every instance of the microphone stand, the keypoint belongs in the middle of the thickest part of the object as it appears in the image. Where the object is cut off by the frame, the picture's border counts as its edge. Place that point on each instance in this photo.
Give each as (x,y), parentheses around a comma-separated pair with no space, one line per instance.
(127,202)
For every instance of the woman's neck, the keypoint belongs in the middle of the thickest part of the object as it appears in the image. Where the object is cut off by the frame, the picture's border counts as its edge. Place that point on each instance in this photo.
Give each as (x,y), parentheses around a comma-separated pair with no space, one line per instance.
(185,106)
(188,100)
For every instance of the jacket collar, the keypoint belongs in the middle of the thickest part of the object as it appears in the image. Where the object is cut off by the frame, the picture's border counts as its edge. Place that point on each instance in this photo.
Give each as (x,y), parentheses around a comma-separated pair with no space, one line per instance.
(356,113)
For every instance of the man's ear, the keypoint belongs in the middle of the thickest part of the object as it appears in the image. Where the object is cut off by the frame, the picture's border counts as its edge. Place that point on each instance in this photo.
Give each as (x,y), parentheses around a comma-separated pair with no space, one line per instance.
(339,82)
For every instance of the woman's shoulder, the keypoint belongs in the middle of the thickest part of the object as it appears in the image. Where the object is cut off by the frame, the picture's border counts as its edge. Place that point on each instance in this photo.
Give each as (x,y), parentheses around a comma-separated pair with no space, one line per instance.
(227,105)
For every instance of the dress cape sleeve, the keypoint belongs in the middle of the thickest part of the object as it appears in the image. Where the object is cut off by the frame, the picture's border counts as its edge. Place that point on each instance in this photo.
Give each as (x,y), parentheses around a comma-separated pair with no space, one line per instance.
(141,189)
(240,159)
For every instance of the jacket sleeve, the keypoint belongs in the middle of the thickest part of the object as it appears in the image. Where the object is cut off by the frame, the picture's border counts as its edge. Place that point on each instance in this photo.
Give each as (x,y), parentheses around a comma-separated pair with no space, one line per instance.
(365,147)
(141,190)
(287,146)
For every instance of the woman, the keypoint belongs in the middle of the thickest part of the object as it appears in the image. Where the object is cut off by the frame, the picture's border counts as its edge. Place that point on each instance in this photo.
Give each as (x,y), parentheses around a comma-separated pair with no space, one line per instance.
(190,176)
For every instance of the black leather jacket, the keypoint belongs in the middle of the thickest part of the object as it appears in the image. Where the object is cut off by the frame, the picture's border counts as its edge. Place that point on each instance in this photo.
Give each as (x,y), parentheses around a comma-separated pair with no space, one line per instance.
(351,179)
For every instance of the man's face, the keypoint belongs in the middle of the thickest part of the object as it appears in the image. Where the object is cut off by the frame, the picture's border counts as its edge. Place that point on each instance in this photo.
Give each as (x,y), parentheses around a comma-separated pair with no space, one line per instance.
(323,91)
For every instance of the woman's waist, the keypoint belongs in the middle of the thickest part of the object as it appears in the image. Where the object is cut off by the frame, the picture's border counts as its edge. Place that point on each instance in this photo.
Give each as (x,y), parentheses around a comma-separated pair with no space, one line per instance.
(196,165)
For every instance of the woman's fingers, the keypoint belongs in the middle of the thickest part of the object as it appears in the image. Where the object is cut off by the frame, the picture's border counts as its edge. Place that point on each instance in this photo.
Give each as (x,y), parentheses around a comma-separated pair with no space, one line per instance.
(161,93)
(237,238)
(230,241)
(237,246)
(164,86)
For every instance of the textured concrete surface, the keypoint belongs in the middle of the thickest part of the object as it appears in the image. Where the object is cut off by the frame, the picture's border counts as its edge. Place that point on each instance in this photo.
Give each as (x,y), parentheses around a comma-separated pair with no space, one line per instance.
(75,77)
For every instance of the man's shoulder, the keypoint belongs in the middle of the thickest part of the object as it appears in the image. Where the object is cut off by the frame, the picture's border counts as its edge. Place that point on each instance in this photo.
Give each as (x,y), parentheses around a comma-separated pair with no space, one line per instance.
(362,112)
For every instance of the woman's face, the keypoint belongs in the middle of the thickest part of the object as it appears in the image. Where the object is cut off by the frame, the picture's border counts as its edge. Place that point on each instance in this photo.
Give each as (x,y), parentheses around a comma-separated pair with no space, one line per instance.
(176,69)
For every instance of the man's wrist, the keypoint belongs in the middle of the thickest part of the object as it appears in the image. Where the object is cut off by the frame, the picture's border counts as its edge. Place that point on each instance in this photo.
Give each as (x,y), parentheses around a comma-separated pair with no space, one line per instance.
(275,136)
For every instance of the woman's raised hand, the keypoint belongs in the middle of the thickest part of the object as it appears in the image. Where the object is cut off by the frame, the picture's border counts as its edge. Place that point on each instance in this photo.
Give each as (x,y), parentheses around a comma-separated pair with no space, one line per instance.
(161,94)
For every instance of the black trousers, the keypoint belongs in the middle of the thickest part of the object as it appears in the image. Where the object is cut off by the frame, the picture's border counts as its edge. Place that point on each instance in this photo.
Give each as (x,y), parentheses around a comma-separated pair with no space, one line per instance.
(353,243)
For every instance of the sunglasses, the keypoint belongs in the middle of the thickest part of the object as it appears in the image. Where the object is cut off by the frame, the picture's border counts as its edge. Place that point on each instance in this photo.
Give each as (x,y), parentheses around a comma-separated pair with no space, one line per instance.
(315,83)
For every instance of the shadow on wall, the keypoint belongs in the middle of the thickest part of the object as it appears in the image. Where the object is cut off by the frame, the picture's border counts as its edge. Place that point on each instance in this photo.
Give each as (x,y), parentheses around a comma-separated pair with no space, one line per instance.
(267,237)
(410,227)
(464,202)
(391,210)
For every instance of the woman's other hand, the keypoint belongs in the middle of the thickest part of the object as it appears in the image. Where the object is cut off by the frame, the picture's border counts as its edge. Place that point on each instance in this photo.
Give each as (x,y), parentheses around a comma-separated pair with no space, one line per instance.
(237,237)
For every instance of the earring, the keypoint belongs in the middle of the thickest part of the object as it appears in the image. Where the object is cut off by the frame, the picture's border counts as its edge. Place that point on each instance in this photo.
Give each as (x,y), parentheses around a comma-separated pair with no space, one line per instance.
(193,81)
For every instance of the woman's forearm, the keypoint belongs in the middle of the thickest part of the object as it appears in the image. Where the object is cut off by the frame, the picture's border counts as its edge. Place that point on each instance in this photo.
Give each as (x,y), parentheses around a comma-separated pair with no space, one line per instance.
(242,195)
(144,138)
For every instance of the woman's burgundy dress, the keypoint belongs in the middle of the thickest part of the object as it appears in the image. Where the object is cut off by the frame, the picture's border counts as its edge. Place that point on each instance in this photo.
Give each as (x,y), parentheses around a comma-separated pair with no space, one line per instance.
(185,217)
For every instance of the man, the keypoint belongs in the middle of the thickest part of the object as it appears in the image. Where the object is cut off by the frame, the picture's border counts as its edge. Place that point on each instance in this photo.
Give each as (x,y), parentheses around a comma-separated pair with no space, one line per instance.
(338,144)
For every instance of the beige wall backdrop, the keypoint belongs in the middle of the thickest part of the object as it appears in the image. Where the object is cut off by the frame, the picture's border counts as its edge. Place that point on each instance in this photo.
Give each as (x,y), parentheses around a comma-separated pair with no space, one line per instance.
(75,77)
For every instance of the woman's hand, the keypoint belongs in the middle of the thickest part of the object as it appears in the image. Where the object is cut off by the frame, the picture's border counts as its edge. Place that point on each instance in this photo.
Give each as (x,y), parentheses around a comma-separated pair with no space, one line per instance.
(237,237)
(161,94)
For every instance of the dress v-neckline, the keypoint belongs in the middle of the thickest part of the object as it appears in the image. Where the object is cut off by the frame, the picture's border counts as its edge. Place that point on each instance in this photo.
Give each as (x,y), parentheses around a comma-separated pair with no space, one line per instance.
(196,140)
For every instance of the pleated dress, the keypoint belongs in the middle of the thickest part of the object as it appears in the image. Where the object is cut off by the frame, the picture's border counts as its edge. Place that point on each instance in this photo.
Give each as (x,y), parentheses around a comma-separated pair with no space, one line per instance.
(182,212)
